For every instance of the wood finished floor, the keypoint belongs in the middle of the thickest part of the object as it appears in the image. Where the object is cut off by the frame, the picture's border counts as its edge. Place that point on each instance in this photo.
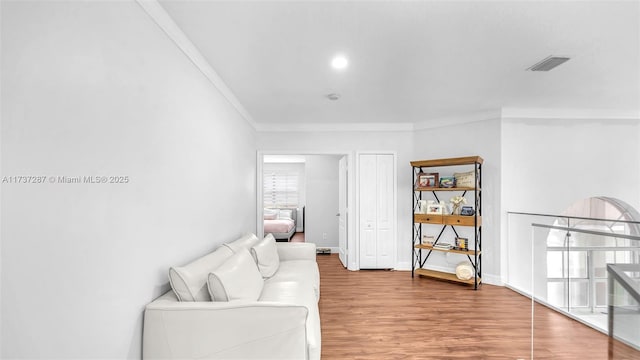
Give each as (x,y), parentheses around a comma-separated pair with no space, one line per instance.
(297,237)
(376,314)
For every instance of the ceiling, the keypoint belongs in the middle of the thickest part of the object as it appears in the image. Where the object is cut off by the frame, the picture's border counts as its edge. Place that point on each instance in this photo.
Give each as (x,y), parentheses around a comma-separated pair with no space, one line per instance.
(416,61)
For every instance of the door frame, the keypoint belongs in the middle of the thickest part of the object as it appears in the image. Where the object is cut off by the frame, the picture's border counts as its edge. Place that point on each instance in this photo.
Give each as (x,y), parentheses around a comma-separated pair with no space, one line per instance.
(352,254)
(343,212)
(356,208)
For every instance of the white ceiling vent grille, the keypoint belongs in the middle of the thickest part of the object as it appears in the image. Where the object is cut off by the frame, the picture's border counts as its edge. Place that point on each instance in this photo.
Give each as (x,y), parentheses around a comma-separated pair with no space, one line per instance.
(549,63)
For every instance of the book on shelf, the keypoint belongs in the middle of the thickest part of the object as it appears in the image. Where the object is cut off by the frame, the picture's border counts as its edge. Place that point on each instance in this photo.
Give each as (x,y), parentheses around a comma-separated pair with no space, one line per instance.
(443,246)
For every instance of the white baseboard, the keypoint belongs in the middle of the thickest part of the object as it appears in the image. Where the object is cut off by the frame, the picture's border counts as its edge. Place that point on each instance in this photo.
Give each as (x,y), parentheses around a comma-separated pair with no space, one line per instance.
(492,279)
(403,266)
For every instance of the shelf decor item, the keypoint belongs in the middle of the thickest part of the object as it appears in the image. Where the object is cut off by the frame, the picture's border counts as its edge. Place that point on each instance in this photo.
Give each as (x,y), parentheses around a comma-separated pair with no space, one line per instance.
(435,209)
(447,182)
(464,271)
(428,240)
(465,179)
(456,203)
(443,246)
(421,208)
(467,211)
(427,180)
(462,243)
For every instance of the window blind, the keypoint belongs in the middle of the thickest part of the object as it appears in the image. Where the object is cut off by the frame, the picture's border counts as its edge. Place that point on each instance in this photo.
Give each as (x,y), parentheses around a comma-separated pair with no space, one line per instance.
(280,189)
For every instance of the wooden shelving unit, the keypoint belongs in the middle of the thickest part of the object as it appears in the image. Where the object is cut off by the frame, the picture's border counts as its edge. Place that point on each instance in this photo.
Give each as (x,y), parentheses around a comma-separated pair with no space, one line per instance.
(421,253)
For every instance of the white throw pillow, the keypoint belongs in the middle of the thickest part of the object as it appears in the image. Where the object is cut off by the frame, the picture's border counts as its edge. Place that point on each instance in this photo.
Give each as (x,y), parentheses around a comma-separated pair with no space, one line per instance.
(237,278)
(246,241)
(266,254)
(189,282)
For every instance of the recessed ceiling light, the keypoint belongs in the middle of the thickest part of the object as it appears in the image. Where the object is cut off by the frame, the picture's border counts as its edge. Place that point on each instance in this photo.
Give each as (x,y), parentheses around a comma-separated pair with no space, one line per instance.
(339,62)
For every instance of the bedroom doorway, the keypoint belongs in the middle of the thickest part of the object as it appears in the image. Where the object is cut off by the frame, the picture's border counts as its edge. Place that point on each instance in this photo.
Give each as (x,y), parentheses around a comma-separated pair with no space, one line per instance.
(283,196)
(321,202)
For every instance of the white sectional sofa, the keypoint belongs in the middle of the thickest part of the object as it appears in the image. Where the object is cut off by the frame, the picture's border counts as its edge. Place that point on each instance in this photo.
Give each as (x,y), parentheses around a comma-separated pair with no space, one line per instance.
(249,299)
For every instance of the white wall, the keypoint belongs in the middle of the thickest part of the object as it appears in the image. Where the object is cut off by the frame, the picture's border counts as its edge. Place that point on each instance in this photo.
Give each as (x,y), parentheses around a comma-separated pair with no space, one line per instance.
(476,138)
(322,200)
(548,164)
(96,88)
(562,161)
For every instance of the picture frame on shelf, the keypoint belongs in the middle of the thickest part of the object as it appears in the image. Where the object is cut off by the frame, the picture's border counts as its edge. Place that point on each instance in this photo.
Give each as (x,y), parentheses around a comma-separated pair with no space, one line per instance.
(434,209)
(447,182)
(462,244)
(427,180)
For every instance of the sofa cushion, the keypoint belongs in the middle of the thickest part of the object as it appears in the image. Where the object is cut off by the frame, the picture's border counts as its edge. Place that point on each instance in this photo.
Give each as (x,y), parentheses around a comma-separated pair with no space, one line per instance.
(237,279)
(189,282)
(301,271)
(301,294)
(245,242)
(265,253)
(296,251)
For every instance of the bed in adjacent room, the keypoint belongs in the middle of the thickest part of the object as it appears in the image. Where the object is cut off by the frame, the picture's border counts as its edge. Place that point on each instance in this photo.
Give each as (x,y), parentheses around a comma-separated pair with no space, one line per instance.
(280,222)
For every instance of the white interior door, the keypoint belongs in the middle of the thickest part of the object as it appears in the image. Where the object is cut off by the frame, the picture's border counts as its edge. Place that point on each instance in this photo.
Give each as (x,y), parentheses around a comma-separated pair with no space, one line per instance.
(342,210)
(384,211)
(367,211)
(376,210)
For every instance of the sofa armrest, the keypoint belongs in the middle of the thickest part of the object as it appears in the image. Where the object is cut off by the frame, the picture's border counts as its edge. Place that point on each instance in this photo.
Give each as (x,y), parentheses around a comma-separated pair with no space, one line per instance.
(296,251)
(238,330)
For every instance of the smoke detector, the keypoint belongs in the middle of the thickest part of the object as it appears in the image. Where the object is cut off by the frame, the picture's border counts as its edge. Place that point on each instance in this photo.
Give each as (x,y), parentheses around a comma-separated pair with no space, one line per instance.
(333,96)
(549,63)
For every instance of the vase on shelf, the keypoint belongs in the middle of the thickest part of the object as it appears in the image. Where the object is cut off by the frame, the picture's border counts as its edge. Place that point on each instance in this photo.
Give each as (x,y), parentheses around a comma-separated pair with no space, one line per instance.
(456,204)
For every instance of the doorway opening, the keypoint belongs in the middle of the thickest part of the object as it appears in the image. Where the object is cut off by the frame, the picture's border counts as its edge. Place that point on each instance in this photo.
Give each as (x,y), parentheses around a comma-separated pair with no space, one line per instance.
(313,190)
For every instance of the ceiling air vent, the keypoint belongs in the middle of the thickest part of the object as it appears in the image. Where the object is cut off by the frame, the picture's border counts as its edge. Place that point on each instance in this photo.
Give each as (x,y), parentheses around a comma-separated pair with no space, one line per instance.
(548,63)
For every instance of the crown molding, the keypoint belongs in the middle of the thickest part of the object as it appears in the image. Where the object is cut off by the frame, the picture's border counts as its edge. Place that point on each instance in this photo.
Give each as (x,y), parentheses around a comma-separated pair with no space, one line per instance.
(575,114)
(510,113)
(160,16)
(335,127)
(459,119)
